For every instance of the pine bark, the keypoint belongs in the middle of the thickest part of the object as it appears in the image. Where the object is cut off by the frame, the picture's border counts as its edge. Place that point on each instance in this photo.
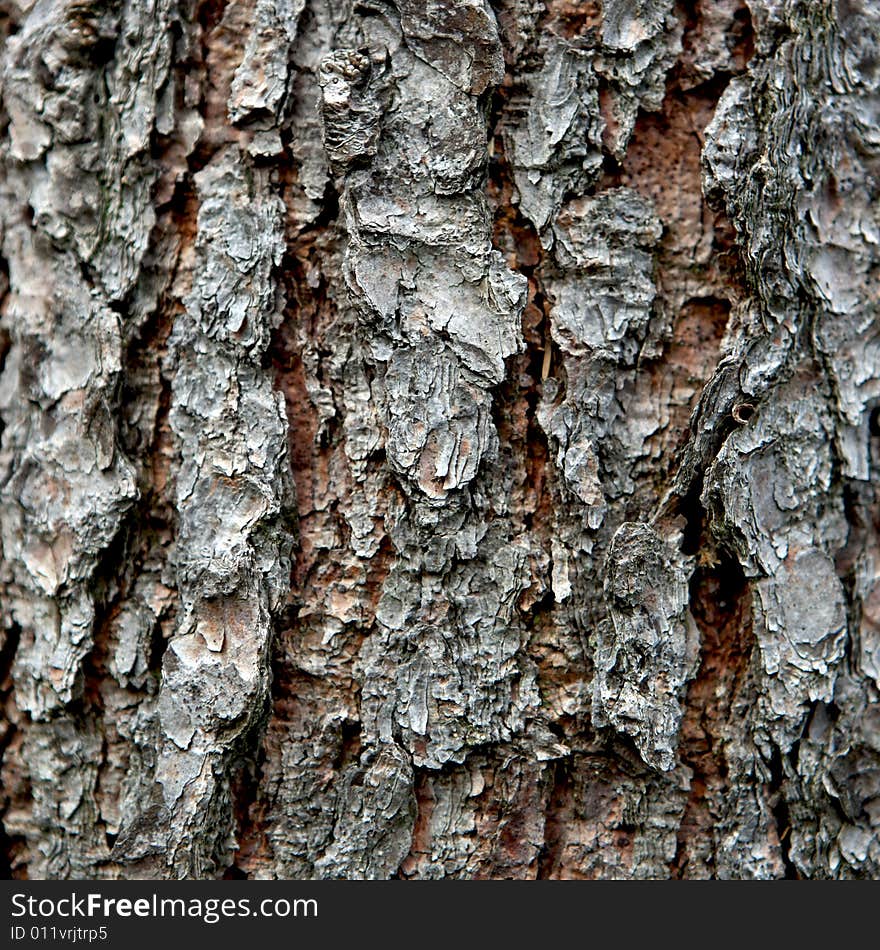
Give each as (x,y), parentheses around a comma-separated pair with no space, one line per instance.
(439,438)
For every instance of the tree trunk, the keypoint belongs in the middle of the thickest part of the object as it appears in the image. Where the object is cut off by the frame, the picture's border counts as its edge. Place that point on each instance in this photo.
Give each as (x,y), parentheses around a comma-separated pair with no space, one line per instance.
(439,438)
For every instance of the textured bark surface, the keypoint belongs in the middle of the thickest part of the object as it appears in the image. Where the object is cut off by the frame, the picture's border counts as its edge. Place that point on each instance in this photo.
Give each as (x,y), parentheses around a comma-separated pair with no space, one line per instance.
(440,438)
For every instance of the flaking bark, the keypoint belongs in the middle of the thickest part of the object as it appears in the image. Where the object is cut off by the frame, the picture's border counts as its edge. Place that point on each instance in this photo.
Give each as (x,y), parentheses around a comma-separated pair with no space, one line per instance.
(439,439)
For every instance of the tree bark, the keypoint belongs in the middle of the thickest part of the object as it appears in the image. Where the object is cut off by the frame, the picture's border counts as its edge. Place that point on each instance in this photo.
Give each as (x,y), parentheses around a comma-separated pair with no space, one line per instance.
(439,438)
